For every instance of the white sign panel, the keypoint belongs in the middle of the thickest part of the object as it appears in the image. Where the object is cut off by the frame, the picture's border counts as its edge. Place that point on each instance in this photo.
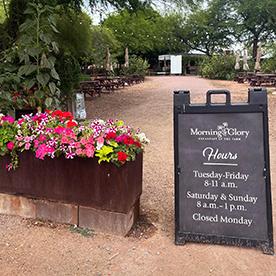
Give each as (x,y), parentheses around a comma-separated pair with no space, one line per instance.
(176,64)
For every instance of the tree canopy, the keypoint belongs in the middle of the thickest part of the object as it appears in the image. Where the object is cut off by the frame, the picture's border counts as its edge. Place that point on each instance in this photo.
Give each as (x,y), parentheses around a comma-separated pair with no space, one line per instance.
(255,21)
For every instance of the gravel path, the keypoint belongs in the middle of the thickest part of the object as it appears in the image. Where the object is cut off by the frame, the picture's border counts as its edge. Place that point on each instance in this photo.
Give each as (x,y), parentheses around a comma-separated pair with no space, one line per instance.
(32,248)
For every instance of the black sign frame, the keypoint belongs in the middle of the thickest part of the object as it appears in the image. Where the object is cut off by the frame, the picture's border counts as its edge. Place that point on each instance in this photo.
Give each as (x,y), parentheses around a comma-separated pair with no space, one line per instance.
(257,103)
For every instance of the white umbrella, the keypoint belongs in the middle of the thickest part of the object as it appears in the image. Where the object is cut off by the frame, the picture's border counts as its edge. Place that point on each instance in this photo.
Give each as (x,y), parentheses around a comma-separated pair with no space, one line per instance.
(245,57)
(107,60)
(126,58)
(258,59)
(237,65)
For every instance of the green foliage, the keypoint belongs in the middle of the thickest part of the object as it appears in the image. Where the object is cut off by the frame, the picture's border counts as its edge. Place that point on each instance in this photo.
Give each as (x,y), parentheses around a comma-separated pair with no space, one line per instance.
(145,32)
(130,5)
(208,30)
(16,17)
(7,134)
(82,231)
(32,60)
(135,31)
(218,67)
(104,154)
(68,69)
(2,13)
(254,21)
(102,38)
(269,65)
(74,36)
(137,66)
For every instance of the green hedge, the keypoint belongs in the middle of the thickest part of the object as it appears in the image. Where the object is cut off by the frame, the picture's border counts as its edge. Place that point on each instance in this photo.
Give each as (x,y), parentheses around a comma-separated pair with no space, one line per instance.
(218,67)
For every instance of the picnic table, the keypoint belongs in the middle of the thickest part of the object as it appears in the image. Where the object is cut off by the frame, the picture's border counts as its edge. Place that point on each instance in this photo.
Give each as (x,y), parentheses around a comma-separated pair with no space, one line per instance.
(256,79)
(102,84)
(91,87)
(263,79)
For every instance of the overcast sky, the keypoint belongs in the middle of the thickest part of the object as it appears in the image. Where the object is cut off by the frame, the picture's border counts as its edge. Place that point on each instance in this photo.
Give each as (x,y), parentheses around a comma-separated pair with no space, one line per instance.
(101,13)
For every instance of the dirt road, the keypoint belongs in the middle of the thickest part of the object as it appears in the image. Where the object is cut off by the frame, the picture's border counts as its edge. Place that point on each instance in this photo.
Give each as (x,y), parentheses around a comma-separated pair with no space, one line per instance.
(32,248)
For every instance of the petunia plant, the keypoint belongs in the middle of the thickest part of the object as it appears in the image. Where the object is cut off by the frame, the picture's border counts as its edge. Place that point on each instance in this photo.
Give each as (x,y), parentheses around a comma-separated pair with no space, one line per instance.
(56,133)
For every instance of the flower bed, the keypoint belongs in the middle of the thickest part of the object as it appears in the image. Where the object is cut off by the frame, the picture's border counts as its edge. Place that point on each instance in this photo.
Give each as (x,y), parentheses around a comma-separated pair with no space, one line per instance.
(97,164)
(55,133)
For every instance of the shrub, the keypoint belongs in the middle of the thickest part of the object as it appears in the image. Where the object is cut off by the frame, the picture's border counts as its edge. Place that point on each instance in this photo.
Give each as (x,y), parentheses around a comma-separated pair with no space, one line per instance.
(218,67)
(269,65)
(137,66)
(68,69)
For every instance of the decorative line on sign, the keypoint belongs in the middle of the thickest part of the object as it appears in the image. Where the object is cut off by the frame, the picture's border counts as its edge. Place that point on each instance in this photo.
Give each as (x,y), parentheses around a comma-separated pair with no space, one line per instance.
(220,164)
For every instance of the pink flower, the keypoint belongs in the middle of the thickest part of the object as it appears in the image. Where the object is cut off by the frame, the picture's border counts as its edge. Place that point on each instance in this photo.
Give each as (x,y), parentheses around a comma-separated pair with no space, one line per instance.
(64,140)
(83,141)
(100,143)
(43,150)
(20,121)
(89,152)
(27,139)
(10,145)
(120,138)
(42,138)
(59,130)
(20,144)
(9,119)
(77,145)
(9,167)
(80,152)
(36,143)
(19,138)
(27,146)
(91,140)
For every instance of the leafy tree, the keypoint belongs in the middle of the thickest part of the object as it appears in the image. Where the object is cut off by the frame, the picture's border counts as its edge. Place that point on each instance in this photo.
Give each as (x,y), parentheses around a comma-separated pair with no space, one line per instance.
(3,12)
(103,38)
(135,31)
(208,30)
(74,36)
(255,21)
(130,5)
(146,33)
(269,64)
(74,40)
(16,17)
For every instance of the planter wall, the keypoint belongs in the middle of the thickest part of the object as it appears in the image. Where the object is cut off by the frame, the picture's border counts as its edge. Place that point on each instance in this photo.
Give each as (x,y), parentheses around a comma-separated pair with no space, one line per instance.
(100,192)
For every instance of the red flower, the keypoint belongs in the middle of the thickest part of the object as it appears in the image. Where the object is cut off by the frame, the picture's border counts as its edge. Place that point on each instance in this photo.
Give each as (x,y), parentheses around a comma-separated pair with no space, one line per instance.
(10,145)
(71,124)
(57,113)
(122,156)
(128,140)
(67,115)
(110,135)
(137,144)
(62,115)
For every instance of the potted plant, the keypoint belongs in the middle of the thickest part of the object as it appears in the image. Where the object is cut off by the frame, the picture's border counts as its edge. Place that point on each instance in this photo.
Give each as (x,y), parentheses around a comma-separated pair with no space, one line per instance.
(94,164)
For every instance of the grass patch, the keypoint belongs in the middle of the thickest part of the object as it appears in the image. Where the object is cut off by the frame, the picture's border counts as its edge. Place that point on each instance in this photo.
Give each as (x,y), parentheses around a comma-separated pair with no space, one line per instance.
(82,231)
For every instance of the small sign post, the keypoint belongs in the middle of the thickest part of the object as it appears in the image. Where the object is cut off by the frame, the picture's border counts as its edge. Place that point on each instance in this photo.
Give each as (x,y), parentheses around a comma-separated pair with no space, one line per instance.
(222,175)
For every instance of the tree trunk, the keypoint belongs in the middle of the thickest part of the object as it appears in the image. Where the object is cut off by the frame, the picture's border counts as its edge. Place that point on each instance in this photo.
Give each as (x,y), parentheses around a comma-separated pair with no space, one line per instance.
(255,47)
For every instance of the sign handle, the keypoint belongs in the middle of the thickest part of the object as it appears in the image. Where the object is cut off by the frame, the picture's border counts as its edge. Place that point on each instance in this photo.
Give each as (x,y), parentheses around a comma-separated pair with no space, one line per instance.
(218,92)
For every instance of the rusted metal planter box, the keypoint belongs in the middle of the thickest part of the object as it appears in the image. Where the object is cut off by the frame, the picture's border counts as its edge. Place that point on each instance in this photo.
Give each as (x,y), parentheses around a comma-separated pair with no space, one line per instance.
(81,182)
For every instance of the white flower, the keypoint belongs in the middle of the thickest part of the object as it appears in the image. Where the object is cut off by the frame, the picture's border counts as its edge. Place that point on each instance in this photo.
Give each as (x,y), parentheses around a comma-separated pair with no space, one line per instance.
(142,137)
